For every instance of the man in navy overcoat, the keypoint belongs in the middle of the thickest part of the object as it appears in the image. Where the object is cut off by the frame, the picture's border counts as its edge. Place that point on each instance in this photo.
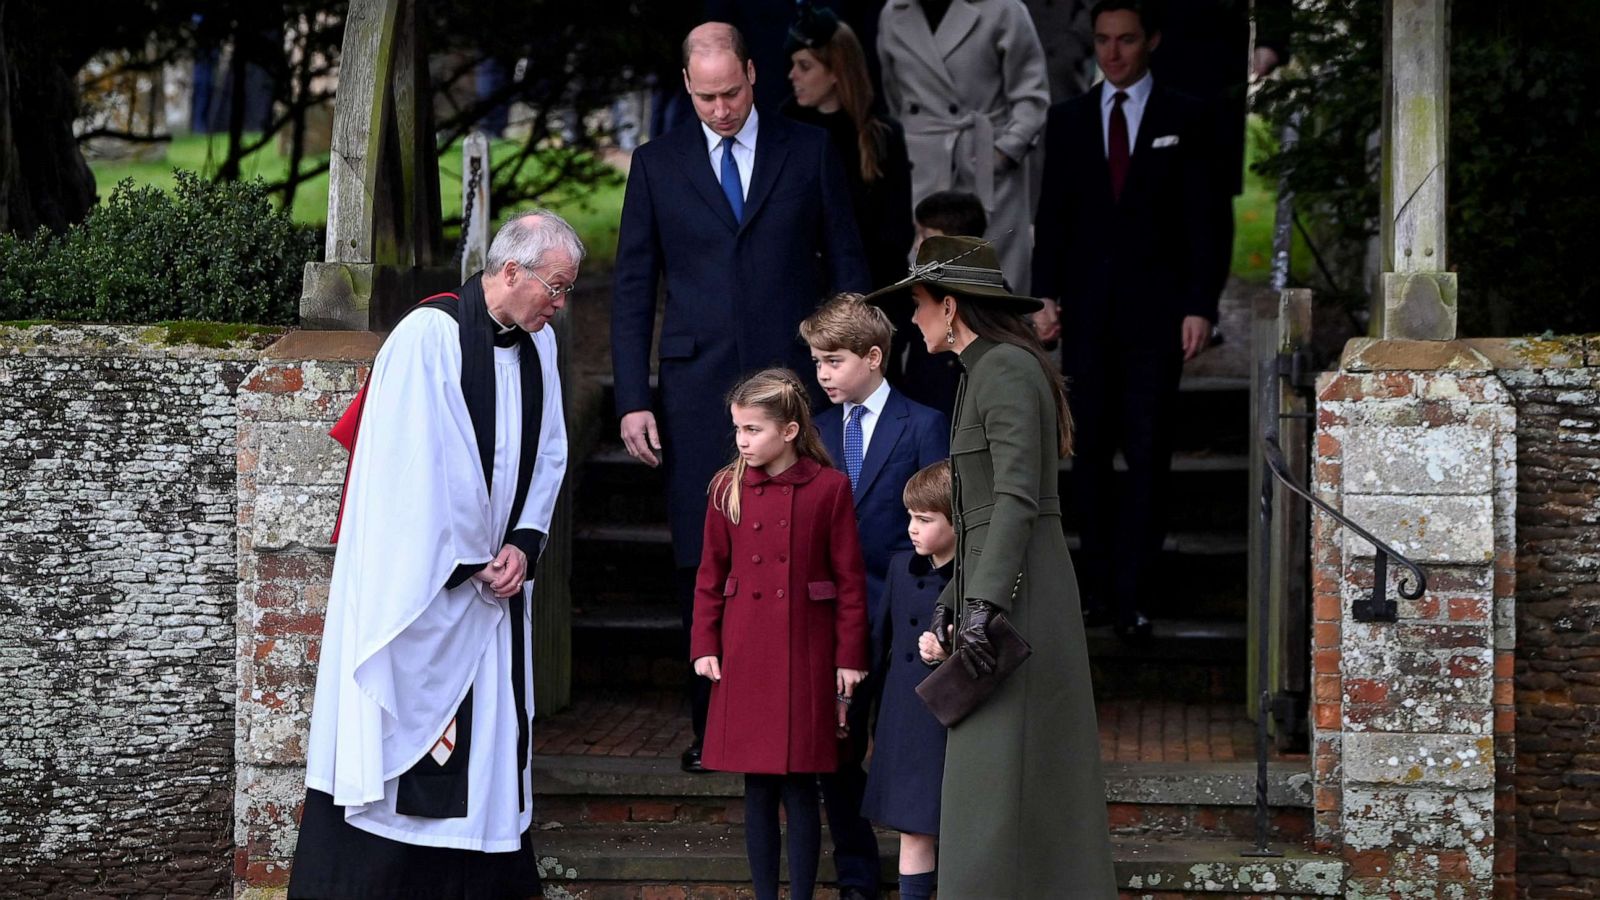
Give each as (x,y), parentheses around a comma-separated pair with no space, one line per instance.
(748,220)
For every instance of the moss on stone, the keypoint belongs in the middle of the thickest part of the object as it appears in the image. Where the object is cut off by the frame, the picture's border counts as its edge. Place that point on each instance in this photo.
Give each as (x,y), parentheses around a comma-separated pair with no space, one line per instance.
(211,334)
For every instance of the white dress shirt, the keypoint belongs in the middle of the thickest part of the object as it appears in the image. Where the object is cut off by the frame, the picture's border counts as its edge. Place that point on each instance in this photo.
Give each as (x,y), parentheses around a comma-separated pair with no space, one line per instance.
(1132,109)
(744,151)
(869,419)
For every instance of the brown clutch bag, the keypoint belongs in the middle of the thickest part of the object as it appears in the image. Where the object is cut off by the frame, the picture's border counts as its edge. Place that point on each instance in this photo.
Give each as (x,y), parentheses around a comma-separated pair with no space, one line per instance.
(951,693)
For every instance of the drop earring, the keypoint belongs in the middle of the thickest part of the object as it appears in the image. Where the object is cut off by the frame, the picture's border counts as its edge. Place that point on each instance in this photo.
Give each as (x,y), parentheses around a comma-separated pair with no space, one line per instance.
(950,333)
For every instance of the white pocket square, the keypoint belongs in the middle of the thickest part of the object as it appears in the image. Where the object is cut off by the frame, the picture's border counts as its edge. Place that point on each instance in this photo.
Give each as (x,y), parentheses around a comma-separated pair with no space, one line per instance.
(1167,140)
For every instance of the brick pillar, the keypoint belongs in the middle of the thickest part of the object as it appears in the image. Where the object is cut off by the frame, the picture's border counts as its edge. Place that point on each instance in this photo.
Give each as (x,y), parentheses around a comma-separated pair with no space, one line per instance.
(1411,719)
(289,474)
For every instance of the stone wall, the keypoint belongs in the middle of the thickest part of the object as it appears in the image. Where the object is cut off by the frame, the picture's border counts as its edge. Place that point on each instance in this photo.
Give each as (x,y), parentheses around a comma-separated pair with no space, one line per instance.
(117,574)
(1411,718)
(1557,776)
(290,474)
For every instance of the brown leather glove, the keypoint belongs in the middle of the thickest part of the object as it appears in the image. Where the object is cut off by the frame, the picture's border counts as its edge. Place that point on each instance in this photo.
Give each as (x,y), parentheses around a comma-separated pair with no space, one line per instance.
(943,618)
(977,652)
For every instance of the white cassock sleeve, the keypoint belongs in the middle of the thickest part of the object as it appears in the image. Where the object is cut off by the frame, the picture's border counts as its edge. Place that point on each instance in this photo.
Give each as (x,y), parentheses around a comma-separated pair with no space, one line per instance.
(550,467)
(399,650)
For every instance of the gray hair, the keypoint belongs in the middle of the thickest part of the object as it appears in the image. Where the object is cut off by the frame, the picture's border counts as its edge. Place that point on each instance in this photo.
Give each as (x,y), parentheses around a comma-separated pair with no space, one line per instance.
(528,237)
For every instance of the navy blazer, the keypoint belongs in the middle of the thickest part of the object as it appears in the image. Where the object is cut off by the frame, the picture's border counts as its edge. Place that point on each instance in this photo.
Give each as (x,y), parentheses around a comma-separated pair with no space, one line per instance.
(907,437)
(735,293)
(1151,252)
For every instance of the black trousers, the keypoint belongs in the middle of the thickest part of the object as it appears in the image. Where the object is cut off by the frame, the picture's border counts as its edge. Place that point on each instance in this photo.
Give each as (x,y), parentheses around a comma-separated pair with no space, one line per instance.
(1123,392)
(699,689)
(855,846)
(798,794)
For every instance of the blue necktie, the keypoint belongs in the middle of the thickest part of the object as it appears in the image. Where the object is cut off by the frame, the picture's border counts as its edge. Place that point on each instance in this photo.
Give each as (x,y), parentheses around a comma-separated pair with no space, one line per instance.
(730,181)
(853,445)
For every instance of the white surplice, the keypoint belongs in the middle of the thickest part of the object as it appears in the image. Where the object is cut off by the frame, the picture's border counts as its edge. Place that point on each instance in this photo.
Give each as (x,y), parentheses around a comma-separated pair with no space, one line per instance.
(399,649)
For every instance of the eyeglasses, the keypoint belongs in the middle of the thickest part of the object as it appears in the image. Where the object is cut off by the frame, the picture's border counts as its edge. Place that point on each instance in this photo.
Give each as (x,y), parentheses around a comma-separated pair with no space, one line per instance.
(554,291)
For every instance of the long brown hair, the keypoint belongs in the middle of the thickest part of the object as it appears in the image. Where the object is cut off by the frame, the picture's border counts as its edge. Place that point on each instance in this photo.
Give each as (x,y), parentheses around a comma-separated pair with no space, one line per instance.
(781,397)
(842,55)
(1004,327)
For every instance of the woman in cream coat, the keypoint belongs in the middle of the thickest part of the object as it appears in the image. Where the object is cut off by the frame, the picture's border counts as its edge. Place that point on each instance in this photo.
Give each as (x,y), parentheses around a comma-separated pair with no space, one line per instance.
(972,95)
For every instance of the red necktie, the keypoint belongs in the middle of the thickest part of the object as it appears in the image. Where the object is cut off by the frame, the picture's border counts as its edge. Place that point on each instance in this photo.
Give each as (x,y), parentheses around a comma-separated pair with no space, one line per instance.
(1117,145)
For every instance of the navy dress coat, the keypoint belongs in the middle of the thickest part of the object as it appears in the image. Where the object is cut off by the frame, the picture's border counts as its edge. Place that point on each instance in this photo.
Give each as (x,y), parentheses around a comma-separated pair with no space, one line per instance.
(908,745)
(735,292)
(908,437)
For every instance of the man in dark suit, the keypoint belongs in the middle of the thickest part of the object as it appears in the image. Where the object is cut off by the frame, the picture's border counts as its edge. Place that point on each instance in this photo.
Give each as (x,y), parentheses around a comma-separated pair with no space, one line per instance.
(748,220)
(1123,241)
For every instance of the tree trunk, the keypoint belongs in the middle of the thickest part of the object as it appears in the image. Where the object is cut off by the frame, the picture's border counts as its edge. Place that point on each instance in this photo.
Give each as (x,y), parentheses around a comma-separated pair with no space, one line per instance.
(44,180)
(238,66)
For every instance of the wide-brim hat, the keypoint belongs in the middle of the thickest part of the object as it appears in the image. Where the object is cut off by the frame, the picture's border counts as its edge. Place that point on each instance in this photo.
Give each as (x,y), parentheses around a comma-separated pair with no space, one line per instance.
(967,267)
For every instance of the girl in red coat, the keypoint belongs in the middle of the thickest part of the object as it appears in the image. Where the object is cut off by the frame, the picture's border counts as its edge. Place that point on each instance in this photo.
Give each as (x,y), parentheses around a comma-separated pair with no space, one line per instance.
(780,621)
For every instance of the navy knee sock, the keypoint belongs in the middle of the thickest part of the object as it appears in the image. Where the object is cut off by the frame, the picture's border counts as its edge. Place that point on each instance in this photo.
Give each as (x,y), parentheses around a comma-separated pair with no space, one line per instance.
(919,886)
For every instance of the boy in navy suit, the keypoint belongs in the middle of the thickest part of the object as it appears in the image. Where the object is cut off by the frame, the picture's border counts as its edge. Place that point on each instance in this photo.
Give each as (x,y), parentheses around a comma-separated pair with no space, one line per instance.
(879,438)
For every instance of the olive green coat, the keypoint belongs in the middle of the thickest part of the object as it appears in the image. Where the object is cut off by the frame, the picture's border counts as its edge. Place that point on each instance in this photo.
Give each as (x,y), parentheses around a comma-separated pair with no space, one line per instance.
(1024,814)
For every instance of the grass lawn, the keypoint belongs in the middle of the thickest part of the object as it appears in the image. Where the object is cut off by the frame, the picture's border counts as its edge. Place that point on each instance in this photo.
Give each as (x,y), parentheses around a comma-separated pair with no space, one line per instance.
(1254,212)
(593,212)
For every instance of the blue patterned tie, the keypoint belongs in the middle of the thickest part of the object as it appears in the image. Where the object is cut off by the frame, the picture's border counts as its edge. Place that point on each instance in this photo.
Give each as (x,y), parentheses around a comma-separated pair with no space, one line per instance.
(730,180)
(853,444)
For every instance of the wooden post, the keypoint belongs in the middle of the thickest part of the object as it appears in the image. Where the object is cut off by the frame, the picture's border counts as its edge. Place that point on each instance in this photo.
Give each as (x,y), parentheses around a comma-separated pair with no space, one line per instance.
(383,177)
(1418,293)
(474,203)
(1281,329)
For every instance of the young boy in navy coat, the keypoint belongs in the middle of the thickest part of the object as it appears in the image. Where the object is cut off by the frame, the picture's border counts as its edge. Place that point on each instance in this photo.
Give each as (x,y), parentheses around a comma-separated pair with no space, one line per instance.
(879,438)
(908,755)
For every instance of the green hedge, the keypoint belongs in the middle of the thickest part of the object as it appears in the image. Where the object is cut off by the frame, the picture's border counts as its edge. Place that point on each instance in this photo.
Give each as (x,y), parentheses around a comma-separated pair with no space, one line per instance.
(216,251)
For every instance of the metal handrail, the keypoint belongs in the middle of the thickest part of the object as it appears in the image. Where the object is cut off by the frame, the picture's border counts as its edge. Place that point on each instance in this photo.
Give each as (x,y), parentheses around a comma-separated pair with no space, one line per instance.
(1378,608)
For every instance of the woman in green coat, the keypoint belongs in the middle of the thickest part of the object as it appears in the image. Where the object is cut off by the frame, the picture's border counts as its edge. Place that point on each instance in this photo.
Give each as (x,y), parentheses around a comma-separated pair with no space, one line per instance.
(1024,806)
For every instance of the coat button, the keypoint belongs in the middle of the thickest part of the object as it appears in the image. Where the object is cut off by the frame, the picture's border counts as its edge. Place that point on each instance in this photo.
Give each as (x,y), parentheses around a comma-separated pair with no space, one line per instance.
(780,595)
(908,657)
(758,492)
(755,595)
(954,109)
(783,559)
(913,620)
(756,526)
(786,489)
(914,109)
(756,559)
(920,584)
(783,523)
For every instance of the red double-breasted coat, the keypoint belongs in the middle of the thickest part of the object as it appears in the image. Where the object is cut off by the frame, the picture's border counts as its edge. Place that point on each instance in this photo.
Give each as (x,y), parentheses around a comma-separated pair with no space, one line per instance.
(781,601)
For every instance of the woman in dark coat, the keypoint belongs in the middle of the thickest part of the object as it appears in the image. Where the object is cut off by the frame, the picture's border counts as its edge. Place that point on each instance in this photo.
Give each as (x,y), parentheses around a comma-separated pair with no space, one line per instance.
(1024,806)
(832,90)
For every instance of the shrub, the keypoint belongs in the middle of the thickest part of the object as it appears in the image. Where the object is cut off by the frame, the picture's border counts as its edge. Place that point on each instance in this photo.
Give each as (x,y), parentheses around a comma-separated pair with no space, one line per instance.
(216,251)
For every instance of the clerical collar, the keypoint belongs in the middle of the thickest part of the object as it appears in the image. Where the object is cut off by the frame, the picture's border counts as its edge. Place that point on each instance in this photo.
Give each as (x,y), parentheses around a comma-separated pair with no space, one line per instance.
(505,335)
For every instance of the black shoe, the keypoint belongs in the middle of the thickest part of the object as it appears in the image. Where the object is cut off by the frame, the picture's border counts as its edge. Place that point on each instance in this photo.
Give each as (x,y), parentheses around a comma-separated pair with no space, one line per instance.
(690,761)
(853,893)
(1139,629)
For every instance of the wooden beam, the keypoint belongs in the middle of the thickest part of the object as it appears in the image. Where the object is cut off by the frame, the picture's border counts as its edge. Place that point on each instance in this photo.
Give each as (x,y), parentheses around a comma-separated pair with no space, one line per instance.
(1418,291)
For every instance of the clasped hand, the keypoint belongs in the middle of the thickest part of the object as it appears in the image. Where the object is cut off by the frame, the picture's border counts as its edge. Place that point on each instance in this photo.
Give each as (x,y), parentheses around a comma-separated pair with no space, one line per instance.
(505,574)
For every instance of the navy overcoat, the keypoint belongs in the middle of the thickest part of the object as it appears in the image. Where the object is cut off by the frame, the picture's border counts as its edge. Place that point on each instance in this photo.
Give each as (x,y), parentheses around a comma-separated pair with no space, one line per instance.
(735,293)
(903,784)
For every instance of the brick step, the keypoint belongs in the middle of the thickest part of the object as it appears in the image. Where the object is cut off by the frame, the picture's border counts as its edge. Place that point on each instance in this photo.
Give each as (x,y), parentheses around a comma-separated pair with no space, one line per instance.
(1194,800)
(592,862)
